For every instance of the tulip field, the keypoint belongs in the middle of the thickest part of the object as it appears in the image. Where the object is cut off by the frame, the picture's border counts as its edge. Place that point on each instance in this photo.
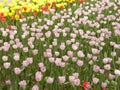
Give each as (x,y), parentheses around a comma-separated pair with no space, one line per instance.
(60,45)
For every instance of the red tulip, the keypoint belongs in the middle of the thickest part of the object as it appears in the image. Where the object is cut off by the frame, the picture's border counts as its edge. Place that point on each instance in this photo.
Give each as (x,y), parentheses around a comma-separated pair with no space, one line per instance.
(3,19)
(54,3)
(81,1)
(34,14)
(1,15)
(25,8)
(49,4)
(85,84)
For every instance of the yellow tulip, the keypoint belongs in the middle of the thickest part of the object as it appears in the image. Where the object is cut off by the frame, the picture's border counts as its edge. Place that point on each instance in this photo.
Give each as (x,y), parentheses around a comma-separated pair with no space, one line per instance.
(10,14)
(5,1)
(17,17)
(1,5)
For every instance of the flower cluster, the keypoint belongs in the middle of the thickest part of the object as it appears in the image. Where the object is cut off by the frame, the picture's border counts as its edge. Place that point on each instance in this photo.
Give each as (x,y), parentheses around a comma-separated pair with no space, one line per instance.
(16,9)
(75,48)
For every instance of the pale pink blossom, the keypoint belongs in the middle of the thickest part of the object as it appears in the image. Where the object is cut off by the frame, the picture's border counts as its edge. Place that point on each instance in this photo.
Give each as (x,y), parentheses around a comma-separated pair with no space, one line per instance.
(80,54)
(16,56)
(57,53)
(107,67)
(80,63)
(35,87)
(95,80)
(38,76)
(96,68)
(40,65)
(51,60)
(104,84)
(35,52)
(17,70)
(6,65)
(76,82)
(43,69)
(70,53)
(23,83)
(65,58)
(62,79)
(76,75)
(50,80)
(95,51)
(48,34)
(71,78)
(8,82)
(62,46)
(4,58)
(25,49)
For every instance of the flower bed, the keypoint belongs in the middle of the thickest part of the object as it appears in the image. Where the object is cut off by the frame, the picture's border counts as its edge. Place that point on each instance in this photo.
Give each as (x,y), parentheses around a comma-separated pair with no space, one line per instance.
(71,47)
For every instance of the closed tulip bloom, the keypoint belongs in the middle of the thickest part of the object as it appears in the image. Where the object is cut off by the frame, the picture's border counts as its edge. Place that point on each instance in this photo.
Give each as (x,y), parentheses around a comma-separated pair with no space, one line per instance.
(25,49)
(74,59)
(4,58)
(6,65)
(57,53)
(48,34)
(68,42)
(95,51)
(76,82)
(111,76)
(29,60)
(71,78)
(62,64)
(22,83)
(107,67)
(35,87)
(89,56)
(75,75)
(70,53)
(96,68)
(35,52)
(16,56)
(65,58)
(41,65)
(104,84)
(50,80)
(80,54)
(51,60)
(25,63)
(113,54)
(117,72)
(74,46)
(80,63)
(95,80)
(17,70)
(43,69)
(62,46)
(8,82)
(38,76)
(102,71)
(62,79)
